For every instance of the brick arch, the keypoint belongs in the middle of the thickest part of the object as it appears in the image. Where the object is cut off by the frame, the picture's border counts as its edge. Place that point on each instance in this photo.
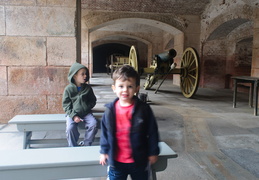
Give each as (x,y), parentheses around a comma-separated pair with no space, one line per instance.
(243,32)
(123,35)
(104,37)
(92,21)
(223,24)
(163,21)
(239,62)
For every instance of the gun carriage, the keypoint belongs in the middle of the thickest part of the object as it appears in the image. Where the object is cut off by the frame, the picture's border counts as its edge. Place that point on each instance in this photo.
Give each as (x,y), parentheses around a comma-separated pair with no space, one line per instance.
(115,61)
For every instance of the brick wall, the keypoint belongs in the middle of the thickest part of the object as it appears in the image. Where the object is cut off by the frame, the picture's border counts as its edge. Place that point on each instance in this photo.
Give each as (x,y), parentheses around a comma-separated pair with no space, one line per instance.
(165,6)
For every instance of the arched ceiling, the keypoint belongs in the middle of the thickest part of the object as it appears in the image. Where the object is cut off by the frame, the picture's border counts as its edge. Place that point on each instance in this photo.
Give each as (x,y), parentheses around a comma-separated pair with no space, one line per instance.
(119,30)
(224,29)
(135,20)
(135,24)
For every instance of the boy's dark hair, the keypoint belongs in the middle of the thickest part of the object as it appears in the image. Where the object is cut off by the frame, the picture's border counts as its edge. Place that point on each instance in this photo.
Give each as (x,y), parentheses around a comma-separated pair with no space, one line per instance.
(124,73)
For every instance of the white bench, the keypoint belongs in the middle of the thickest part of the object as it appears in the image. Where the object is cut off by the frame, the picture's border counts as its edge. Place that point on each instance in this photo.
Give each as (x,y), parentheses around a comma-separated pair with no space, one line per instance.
(42,122)
(63,163)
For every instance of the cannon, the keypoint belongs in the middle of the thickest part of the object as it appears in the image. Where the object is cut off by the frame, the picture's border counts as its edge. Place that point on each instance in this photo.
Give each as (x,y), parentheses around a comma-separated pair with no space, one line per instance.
(163,65)
(116,60)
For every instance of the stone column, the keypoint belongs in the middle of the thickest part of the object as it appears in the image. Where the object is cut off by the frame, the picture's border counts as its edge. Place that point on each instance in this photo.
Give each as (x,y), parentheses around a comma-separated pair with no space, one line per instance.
(85,46)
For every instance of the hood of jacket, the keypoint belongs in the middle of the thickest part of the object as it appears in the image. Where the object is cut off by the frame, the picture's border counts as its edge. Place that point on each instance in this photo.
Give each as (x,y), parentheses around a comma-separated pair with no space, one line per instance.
(73,70)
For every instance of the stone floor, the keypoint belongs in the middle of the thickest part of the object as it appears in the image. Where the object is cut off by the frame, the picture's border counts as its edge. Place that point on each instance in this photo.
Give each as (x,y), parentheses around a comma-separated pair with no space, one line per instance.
(214,141)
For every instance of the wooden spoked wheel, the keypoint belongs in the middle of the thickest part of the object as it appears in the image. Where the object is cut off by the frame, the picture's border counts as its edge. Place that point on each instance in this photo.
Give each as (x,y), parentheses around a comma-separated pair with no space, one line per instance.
(150,81)
(189,77)
(133,60)
(111,66)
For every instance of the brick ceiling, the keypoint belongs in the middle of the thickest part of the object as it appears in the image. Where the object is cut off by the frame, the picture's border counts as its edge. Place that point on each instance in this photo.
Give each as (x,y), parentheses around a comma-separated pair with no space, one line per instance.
(190,7)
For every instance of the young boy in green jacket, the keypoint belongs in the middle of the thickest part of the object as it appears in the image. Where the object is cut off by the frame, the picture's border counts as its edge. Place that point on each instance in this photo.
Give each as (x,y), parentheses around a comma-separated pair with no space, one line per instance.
(78,101)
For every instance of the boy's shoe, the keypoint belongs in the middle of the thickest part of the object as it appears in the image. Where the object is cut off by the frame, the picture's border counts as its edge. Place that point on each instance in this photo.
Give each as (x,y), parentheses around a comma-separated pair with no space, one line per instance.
(81,143)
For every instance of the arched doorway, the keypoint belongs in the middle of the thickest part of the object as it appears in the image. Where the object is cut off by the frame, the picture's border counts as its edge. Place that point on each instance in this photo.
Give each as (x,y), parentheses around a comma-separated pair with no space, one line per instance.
(102,53)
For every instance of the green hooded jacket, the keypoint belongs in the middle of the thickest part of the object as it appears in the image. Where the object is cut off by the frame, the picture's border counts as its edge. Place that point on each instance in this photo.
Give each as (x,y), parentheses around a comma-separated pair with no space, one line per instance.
(74,102)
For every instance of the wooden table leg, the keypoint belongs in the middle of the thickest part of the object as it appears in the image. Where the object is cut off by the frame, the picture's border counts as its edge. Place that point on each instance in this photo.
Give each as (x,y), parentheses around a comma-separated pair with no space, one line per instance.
(255,97)
(26,139)
(251,95)
(153,175)
(235,93)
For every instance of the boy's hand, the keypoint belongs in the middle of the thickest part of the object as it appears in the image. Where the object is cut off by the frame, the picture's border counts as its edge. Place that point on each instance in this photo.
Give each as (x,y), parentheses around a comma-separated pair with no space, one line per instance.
(77,119)
(152,159)
(103,159)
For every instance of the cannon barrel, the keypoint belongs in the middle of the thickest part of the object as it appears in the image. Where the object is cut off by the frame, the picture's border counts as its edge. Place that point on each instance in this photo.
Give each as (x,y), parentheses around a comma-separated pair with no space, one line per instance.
(166,56)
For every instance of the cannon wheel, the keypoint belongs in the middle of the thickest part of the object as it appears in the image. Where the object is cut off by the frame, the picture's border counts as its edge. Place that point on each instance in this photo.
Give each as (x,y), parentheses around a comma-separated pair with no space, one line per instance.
(189,77)
(133,60)
(108,69)
(111,66)
(150,81)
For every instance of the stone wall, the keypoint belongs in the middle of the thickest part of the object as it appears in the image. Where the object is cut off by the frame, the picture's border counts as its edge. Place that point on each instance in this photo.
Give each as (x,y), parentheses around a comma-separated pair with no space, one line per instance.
(37,47)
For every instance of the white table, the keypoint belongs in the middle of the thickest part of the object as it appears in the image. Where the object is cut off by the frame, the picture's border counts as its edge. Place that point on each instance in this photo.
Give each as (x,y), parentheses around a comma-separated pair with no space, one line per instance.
(41,122)
(63,163)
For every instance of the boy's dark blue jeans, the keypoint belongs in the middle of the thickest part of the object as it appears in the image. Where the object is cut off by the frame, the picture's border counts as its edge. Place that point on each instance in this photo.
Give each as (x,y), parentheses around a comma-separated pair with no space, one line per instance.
(120,171)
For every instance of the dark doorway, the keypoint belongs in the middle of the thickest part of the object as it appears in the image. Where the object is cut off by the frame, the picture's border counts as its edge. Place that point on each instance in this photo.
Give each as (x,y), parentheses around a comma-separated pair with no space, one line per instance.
(102,53)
